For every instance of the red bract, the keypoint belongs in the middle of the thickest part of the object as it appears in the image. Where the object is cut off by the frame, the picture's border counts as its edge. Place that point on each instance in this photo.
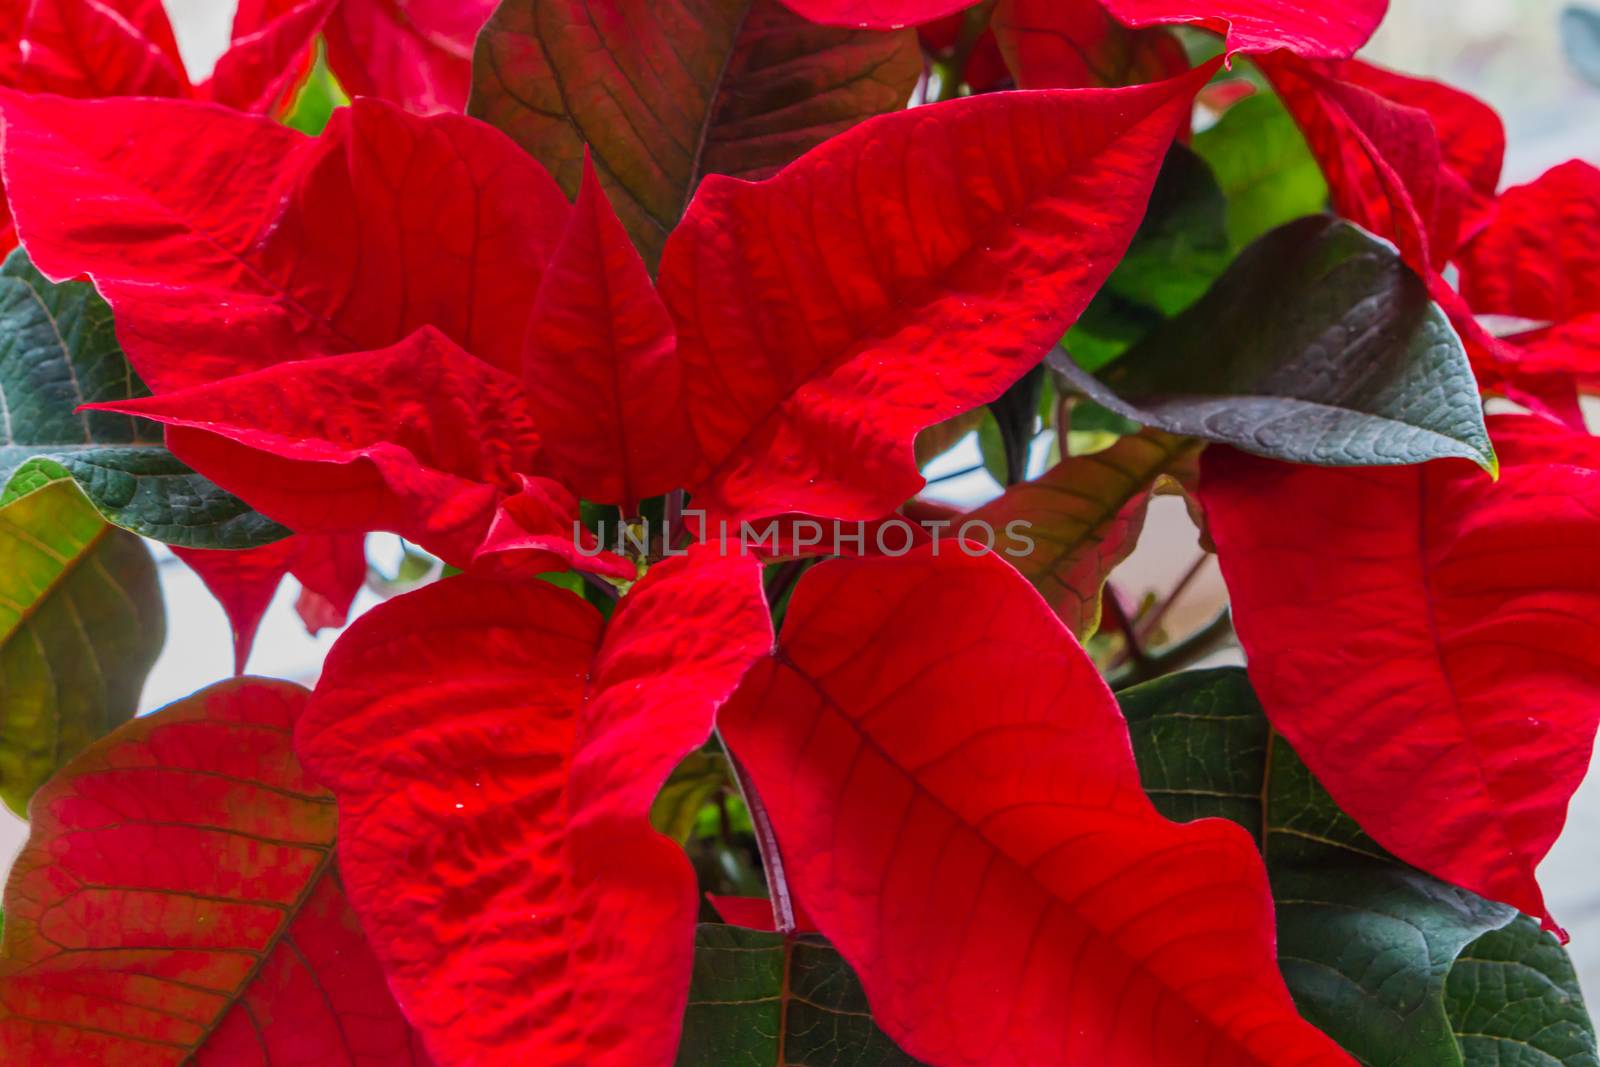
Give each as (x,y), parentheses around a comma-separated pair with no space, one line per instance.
(495,749)
(423,440)
(416,53)
(1411,160)
(957,804)
(1538,260)
(225,243)
(1316,29)
(1068,44)
(1425,637)
(875,14)
(331,571)
(177,903)
(604,383)
(957,244)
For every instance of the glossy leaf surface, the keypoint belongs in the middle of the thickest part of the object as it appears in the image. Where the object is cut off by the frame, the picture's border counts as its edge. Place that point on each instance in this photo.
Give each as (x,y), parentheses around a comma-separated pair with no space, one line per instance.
(1364,941)
(1423,636)
(752,85)
(81,623)
(956,804)
(527,813)
(1356,365)
(58,350)
(788,317)
(1084,516)
(177,904)
(762,998)
(1512,994)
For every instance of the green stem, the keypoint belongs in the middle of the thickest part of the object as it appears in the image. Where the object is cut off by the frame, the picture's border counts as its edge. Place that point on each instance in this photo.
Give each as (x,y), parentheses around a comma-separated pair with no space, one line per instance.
(1197,646)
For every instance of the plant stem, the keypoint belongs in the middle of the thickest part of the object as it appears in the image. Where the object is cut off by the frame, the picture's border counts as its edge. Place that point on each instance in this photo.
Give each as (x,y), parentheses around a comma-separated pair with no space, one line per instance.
(1196,646)
(767,842)
(600,583)
(1149,625)
(1111,606)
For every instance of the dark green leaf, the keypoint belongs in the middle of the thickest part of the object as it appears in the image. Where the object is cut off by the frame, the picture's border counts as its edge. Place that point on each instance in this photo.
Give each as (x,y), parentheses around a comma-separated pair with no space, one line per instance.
(1580,36)
(1365,942)
(1515,1002)
(1317,346)
(1265,170)
(58,350)
(1179,249)
(762,1000)
(81,623)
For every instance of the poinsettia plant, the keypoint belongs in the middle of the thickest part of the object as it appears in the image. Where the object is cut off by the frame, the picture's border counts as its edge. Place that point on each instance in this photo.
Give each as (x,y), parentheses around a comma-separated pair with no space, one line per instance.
(707,737)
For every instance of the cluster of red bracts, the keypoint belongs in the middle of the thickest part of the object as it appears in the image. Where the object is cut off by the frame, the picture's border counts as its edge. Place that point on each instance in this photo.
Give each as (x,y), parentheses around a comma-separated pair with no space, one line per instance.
(405,325)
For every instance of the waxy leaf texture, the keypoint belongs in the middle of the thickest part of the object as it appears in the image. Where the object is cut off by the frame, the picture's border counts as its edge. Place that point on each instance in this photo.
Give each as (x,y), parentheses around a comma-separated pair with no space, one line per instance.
(81,623)
(1425,637)
(753,86)
(177,903)
(1356,366)
(1365,942)
(786,1001)
(959,242)
(957,805)
(495,749)
(58,350)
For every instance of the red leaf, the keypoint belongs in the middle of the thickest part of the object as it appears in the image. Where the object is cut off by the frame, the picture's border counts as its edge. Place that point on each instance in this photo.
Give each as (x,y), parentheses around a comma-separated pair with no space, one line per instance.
(875,14)
(271,53)
(986,68)
(419,439)
(752,87)
(601,368)
(331,570)
(495,750)
(957,244)
(1539,259)
(1411,160)
(1069,44)
(177,903)
(91,48)
(1316,29)
(957,804)
(1426,638)
(226,243)
(415,53)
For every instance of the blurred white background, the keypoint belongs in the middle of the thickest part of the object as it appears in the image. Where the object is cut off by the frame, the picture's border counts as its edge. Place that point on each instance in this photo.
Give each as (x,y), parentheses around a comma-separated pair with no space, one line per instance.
(1506,51)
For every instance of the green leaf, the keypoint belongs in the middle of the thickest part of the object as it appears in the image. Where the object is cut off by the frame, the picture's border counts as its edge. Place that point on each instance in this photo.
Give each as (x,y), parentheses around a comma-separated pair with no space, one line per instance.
(760,999)
(81,623)
(694,784)
(58,350)
(1366,942)
(1514,1000)
(1179,249)
(1263,166)
(314,104)
(1317,346)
